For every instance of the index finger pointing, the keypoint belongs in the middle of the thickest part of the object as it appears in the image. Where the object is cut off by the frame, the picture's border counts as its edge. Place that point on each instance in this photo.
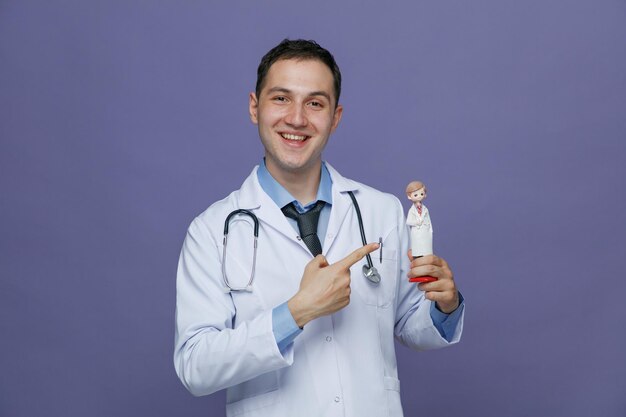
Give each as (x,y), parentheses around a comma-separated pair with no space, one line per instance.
(356,256)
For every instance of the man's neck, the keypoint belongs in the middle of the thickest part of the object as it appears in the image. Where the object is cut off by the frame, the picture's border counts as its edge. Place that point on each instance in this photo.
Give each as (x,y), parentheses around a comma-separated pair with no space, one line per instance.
(301,184)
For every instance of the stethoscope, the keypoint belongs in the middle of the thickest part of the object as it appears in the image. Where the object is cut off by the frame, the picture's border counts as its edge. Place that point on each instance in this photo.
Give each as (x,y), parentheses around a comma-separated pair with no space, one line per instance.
(369,271)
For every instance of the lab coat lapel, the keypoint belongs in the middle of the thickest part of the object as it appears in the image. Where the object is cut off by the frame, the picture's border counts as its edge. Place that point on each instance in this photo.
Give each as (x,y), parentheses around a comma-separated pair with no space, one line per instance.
(341,205)
(253,197)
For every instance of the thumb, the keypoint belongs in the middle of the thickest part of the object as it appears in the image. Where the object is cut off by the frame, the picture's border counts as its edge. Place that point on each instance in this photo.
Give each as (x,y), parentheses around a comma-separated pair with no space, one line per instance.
(317,263)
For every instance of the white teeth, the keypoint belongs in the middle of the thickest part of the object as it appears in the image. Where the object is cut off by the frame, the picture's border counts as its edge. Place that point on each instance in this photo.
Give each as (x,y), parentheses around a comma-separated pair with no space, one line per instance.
(293,137)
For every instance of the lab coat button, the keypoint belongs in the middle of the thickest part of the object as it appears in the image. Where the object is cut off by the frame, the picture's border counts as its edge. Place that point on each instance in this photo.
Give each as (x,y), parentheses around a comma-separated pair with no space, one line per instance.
(337,399)
(328,338)
(298,237)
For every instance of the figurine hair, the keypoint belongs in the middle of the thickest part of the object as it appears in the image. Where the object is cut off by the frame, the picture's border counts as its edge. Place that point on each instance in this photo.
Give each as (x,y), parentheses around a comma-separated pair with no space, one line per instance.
(414,186)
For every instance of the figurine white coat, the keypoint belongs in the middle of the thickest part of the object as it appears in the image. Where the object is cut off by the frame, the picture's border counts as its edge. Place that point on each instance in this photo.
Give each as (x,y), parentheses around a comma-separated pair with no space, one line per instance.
(418,219)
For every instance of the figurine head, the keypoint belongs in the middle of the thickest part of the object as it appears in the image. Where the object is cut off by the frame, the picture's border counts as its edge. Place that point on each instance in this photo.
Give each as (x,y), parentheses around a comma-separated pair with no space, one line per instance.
(416,191)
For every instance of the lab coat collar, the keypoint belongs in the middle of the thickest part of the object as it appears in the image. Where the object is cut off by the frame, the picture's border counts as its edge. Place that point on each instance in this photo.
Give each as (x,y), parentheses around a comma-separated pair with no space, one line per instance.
(252,197)
(341,205)
(282,197)
(251,194)
(340,183)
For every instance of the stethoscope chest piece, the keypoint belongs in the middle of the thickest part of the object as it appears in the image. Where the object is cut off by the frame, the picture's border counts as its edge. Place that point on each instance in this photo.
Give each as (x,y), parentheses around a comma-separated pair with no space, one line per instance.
(371,273)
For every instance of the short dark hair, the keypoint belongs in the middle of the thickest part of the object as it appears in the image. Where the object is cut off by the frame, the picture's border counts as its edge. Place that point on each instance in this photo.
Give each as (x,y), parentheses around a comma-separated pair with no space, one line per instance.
(298,49)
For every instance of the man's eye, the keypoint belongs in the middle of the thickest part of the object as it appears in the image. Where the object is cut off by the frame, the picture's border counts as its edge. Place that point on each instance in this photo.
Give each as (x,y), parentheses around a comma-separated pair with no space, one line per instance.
(315,104)
(280,98)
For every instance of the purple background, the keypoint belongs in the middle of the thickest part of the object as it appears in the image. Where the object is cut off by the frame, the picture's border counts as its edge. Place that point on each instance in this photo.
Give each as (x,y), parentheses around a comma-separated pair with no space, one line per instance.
(120,122)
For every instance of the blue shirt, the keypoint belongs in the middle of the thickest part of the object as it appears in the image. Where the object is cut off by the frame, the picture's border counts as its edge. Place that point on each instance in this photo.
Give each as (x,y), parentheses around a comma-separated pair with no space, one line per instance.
(282,197)
(283,324)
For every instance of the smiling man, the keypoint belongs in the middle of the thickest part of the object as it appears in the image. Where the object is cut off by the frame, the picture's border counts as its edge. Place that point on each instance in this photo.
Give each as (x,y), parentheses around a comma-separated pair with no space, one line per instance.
(293,327)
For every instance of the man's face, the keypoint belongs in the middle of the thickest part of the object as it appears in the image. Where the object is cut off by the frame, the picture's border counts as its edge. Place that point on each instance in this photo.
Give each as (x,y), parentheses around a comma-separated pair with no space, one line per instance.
(295,113)
(418,195)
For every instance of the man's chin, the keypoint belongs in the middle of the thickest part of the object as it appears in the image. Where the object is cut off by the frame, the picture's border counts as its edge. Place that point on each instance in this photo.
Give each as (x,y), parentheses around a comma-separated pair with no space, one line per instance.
(294,167)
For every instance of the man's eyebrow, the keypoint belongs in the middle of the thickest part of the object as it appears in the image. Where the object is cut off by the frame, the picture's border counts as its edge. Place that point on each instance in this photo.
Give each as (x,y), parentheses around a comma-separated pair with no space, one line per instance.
(288,91)
(320,93)
(279,90)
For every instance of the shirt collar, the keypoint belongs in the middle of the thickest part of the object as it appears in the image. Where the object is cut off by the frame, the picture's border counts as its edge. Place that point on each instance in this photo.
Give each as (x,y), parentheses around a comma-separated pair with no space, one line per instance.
(282,197)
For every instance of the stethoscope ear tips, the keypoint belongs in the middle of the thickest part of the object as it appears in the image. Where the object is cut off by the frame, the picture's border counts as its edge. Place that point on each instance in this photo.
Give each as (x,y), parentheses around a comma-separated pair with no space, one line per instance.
(371,274)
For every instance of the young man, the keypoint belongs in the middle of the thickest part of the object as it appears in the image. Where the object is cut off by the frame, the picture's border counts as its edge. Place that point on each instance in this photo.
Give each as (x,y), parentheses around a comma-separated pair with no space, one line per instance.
(307,334)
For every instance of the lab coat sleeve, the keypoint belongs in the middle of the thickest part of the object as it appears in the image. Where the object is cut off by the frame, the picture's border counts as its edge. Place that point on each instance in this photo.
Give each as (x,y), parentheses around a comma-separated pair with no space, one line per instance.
(209,353)
(414,326)
(411,217)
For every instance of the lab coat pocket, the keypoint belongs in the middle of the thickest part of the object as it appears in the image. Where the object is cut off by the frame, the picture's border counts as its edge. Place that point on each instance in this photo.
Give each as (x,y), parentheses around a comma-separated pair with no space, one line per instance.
(394,404)
(248,305)
(250,396)
(380,294)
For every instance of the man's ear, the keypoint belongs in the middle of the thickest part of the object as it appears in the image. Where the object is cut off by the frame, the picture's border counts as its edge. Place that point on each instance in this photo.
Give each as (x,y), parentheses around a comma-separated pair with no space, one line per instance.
(337,117)
(253,106)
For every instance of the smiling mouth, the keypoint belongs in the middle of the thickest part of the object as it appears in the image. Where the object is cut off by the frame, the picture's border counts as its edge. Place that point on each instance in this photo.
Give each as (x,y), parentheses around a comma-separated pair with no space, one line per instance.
(296,138)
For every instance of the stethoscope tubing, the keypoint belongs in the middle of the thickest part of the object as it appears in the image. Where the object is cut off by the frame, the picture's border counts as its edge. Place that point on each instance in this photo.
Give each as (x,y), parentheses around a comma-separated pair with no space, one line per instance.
(370,264)
(369,271)
(228,288)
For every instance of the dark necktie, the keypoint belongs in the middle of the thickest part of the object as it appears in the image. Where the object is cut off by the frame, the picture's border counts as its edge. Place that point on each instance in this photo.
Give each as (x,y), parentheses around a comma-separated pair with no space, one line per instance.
(307,224)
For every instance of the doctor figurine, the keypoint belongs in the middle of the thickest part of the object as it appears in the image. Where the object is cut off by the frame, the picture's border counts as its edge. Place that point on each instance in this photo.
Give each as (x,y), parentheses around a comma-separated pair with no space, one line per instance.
(418,219)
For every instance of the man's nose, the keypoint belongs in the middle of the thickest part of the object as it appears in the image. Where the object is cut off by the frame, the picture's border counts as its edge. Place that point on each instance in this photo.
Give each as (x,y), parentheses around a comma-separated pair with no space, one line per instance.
(296,116)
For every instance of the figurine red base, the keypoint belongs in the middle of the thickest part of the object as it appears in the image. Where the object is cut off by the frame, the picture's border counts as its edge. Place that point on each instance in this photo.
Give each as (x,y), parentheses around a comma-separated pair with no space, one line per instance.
(422,279)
